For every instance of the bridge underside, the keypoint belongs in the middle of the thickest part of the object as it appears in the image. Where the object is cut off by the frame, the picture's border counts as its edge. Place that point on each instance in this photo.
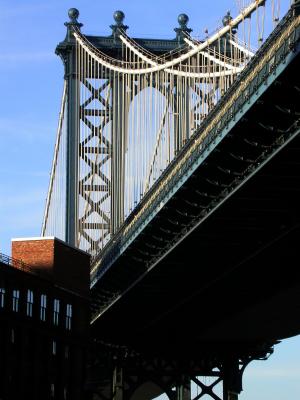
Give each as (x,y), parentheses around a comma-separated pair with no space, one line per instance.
(232,282)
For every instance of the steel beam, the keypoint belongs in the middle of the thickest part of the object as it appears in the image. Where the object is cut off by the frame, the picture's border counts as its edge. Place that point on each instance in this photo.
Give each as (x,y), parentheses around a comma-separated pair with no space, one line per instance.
(183,389)
(118,154)
(117,384)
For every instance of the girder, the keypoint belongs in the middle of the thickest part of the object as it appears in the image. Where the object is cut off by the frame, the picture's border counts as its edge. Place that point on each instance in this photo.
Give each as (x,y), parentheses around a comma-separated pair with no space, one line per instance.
(133,376)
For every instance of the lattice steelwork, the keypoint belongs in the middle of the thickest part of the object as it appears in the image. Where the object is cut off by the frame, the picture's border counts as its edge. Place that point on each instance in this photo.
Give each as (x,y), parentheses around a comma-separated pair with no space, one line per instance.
(94,160)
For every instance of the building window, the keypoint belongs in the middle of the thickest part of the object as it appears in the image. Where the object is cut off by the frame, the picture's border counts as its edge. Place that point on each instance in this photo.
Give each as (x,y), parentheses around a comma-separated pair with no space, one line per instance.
(2,294)
(29,303)
(52,390)
(43,307)
(67,352)
(54,347)
(16,297)
(12,335)
(69,316)
(56,312)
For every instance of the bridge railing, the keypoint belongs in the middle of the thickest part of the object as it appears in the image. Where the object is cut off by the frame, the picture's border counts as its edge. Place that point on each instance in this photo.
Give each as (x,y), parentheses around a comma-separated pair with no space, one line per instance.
(15,263)
(274,51)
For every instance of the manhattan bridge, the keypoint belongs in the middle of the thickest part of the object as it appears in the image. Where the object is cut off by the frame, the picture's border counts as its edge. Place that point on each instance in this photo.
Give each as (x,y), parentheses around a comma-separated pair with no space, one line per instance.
(176,166)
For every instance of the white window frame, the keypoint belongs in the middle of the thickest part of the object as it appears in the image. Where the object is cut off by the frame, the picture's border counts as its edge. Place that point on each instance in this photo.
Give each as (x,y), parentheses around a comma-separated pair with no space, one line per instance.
(2,297)
(29,305)
(16,298)
(56,307)
(69,312)
(43,307)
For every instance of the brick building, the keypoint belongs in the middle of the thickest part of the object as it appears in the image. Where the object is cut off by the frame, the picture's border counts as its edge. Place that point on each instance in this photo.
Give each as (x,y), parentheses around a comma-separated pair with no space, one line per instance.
(44,320)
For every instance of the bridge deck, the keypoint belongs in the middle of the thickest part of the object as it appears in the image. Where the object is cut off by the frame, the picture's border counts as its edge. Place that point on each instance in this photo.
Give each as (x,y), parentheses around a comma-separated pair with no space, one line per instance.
(214,265)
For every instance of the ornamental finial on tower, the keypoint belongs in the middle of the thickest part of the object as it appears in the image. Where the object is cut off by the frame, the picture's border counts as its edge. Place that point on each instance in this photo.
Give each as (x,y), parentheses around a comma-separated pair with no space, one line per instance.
(183,29)
(73,14)
(226,21)
(118,27)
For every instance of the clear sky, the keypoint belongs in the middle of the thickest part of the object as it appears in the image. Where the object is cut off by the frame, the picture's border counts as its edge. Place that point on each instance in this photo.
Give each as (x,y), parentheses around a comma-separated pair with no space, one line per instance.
(31,81)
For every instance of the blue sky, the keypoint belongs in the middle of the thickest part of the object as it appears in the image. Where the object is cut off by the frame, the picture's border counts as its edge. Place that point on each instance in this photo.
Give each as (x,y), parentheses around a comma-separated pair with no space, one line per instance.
(31,81)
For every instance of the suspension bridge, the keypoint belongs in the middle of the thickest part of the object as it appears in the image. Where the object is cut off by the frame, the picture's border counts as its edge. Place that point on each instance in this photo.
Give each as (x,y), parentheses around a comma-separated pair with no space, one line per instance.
(176,166)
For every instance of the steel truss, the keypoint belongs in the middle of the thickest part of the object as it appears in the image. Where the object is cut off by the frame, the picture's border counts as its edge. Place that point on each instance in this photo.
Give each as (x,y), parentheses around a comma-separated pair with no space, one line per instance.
(128,375)
(95,157)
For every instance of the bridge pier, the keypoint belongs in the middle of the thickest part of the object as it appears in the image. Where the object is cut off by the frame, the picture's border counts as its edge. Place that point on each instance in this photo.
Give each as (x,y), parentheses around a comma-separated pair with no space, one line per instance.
(117,384)
(183,389)
(232,379)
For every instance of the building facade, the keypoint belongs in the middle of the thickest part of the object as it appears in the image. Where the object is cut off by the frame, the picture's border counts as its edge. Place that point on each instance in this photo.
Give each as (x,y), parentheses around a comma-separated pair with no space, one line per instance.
(44,320)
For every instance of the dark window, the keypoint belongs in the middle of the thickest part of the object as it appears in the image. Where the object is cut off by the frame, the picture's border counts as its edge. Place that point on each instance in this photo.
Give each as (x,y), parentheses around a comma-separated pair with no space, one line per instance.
(67,352)
(52,390)
(12,335)
(2,297)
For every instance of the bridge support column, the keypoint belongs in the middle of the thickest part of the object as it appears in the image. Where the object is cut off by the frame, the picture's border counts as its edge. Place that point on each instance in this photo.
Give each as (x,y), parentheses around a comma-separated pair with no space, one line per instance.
(181,112)
(183,389)
(232,379)
(67,52)
(117,384)
(118,153)
(72,155)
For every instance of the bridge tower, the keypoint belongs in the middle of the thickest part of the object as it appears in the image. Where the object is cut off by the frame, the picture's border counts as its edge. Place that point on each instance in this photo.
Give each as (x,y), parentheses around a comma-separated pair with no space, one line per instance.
(96,125)
(129,107)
